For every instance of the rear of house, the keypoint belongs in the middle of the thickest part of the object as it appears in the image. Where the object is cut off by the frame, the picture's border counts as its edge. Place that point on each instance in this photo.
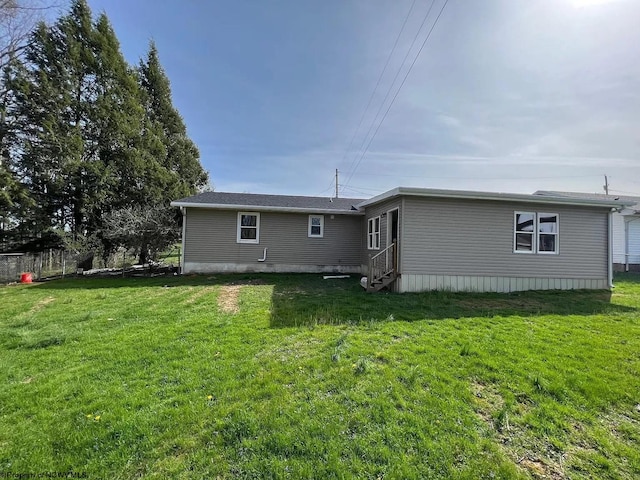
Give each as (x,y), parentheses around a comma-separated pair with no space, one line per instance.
(407,239)
(626,227)
(478,241)
(232,232)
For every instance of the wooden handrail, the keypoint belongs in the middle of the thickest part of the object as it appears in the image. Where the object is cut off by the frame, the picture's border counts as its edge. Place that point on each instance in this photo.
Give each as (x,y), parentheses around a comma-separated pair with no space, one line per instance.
(381,264)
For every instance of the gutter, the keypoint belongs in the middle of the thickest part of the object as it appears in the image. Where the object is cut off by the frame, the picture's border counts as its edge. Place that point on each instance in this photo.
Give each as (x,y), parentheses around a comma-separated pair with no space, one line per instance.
(264,208)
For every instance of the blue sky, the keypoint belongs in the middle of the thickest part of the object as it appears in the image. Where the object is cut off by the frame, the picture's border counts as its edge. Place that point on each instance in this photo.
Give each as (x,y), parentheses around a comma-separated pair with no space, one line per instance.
(507,95)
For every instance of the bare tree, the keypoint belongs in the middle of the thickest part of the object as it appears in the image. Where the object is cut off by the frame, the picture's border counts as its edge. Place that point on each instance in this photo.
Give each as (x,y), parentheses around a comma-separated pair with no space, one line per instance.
(145,229)
(18,18)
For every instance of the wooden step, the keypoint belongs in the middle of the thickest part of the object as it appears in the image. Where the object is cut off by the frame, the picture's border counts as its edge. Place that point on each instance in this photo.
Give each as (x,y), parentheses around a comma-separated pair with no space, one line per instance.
(379,283)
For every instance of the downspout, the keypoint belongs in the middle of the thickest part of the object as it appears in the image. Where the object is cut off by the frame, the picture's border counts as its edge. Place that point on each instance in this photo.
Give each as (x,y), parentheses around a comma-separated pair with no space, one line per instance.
(264,255)
(610,248)
(184,231)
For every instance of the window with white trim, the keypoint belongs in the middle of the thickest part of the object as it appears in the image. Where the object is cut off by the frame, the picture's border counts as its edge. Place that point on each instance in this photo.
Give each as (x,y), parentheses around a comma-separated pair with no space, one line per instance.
(248,227)
(373,233)
(525,232)
(547,233)
(316,226)
(535,232)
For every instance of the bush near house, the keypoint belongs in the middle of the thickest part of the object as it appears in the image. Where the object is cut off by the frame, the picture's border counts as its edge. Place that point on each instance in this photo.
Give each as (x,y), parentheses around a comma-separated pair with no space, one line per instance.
(293,376)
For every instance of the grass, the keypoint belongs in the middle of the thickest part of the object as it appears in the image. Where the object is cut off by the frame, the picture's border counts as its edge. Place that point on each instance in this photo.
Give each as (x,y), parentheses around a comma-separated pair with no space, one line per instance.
(297,377)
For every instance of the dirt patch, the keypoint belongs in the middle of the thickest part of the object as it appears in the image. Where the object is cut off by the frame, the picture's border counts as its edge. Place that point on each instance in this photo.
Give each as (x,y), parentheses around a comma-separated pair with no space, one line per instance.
(488,400)
(536,459)
(199,293)
(228,298)
(41,304)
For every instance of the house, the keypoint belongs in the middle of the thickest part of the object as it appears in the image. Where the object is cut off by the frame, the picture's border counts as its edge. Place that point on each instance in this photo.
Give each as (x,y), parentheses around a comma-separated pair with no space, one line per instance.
(239,232)
(626,227)
(409,239)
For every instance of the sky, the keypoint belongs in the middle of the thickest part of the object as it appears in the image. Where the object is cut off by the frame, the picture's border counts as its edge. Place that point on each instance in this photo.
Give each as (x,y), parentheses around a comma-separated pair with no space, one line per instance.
(506,95)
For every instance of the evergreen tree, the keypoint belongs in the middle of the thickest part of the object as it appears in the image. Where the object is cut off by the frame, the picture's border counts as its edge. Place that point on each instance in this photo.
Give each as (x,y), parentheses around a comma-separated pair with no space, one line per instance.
(180,156)
(89,134)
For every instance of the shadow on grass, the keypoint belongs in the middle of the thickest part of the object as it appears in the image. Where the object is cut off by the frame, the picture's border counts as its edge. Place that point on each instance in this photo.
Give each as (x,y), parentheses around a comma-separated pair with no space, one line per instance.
(116,281)
(344,302)
(308,299)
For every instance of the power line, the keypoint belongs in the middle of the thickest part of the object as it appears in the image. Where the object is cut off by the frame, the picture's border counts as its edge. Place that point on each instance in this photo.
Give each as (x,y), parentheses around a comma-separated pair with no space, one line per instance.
(395,44)
(373,122)
(525,177)
(399,88)
(328,188)
(363,193)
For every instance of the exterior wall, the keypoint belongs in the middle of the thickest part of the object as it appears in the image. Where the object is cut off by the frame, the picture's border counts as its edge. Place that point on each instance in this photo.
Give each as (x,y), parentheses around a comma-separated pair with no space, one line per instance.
(461,283)
(468,245)
(375,211)
(633,238)
(210,243)
(618,238)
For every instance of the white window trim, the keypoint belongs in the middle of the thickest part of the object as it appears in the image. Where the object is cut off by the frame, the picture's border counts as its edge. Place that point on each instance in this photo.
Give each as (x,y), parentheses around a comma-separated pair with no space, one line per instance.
(557,234)
(239,228)
(371,237)
(533,233)
(536,233)
(311,235)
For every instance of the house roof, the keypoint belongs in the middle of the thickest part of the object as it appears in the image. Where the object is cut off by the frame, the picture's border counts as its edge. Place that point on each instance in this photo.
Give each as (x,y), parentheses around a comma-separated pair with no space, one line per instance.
(629,201)
(260,202)
(504,197)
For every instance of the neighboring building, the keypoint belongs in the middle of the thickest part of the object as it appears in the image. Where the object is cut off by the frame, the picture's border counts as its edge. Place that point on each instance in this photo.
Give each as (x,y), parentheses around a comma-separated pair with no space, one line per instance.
(410,239)
(626,227)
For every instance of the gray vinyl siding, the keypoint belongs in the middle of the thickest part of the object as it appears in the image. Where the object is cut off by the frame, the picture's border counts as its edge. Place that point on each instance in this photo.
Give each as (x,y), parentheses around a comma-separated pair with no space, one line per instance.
(475,238)
(376,211)
(211,238)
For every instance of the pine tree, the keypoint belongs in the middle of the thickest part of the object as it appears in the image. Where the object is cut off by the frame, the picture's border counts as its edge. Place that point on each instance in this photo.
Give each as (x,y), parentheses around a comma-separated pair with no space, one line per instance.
(180,156)
(90,134)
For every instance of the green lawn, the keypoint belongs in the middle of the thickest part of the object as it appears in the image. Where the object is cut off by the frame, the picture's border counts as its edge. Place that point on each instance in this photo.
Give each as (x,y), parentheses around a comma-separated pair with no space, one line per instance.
(292,376)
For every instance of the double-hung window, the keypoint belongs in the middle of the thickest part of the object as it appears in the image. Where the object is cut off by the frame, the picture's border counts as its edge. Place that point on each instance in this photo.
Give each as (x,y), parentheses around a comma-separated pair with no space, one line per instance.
(248,227)
(316,226)
(373,233)
(547,233)
(536,233)
(525,232)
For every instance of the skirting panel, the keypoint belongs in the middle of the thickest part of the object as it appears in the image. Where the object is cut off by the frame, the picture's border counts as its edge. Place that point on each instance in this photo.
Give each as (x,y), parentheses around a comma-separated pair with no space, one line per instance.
(459,283)
(197,267)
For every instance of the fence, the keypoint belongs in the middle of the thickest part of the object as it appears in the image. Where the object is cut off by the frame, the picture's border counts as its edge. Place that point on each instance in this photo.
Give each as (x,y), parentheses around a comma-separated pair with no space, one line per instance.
(45,264)
(56,263)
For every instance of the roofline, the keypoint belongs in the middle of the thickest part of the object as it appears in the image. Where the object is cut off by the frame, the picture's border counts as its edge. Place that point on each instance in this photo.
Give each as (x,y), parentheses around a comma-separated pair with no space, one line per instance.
(264,208)
(501,197)
(551,193)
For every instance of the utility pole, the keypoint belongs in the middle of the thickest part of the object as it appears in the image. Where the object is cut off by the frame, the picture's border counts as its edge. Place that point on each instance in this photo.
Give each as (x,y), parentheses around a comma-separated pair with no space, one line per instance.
(336,183)
(606,185)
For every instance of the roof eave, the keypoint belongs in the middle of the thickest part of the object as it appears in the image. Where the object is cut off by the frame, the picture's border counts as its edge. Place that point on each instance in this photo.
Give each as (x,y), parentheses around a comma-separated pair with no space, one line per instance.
(470,195)
(266,208)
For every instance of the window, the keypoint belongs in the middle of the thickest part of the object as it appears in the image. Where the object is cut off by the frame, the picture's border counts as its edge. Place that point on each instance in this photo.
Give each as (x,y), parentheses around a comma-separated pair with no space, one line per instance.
(536,233)
(248,227)
(316,226)
(547,233)
(525,223)
(373,236)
